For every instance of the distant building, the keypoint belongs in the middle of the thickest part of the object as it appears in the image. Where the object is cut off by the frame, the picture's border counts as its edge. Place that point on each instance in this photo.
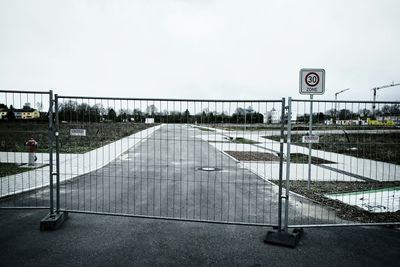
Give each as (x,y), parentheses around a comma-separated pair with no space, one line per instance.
(351,122)
(3,113)
(394,119)
(380,121)
(384,121)
(274,116)
(18,114)
(26,113)
(30,114)
(149,120)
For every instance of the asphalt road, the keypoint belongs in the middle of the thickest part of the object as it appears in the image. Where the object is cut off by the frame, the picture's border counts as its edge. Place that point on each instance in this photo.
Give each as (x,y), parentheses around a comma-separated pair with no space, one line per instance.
(117,241)
(159,177)
(162,177)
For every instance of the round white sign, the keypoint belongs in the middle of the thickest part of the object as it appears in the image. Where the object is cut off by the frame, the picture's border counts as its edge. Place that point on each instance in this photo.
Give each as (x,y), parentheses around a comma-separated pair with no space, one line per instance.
(312,79)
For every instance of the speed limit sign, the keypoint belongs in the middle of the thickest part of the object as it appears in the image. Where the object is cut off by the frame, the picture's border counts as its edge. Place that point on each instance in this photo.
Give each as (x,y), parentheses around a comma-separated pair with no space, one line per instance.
(312,81)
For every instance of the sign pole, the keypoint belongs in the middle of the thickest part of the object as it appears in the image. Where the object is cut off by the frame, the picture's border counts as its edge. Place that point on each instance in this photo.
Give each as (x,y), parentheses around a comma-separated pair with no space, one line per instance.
(310,144)
(312,81)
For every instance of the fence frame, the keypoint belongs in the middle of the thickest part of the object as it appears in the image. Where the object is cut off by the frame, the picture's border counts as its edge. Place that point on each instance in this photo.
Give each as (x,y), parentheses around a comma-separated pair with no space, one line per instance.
(50,147)
(336,102)
(282,127)
(281,236)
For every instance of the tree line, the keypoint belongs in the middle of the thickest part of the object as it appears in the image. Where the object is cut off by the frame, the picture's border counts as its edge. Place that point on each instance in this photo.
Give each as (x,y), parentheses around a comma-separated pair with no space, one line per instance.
(346,114)
(72,111)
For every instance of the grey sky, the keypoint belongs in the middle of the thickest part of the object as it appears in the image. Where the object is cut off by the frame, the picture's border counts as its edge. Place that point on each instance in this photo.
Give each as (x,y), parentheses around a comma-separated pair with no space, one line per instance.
(199,49)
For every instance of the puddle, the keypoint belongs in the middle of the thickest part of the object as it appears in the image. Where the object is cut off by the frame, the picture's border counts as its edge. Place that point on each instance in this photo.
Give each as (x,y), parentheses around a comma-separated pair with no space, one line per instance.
(209,169)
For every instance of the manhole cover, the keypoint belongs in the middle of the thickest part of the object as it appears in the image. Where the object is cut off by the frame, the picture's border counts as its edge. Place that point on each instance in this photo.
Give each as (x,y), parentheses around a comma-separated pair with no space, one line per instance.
(208,169)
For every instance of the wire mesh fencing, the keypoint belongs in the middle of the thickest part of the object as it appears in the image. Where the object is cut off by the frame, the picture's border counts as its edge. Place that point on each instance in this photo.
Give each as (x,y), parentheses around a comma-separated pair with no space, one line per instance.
(222,161)
(24,148)
(349,166)
(178,159)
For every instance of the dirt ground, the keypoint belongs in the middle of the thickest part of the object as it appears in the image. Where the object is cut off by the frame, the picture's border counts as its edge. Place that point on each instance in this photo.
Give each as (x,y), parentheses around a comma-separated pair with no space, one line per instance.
(319,189)
(13,136)
(263,156)
(97,135)
(253,156)
(375,146)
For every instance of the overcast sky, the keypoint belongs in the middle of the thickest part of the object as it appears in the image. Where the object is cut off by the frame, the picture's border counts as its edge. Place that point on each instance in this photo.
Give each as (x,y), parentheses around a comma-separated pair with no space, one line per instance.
(223,49)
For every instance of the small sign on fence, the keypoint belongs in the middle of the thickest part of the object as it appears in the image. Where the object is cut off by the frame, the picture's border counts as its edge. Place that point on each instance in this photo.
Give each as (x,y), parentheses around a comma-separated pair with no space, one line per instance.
(311,139)
(77,132)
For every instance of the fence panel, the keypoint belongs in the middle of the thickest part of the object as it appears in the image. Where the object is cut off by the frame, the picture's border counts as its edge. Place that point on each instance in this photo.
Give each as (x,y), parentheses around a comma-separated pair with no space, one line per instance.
(24,149)
(198,160)
(354,175)
(202,160)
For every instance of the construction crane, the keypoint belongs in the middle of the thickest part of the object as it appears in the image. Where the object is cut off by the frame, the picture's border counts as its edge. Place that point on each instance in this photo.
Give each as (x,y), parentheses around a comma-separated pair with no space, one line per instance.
(336,94)
(379,88)
(344,90)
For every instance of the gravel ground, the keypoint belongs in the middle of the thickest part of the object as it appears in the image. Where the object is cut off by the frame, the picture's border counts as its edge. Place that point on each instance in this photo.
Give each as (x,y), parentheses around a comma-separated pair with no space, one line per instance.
(262,156)
(319,189)
(347,212)
(303,158)
(252,156)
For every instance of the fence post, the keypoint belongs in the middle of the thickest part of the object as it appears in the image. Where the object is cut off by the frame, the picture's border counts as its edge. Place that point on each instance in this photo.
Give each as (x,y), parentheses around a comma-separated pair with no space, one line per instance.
(53,220)
(57,129)
(288,142)
(281,236)
(51,132)
(310,145)
(282,141)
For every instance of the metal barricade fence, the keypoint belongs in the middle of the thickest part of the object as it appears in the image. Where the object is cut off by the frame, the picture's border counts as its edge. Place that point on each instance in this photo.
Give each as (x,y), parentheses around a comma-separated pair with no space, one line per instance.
(196,160)
(222,161)
(25,148)
(349,168)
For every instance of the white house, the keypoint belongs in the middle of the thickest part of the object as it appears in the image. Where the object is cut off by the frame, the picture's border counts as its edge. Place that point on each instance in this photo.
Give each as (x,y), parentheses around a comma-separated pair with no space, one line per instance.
(274,116)
(149,120)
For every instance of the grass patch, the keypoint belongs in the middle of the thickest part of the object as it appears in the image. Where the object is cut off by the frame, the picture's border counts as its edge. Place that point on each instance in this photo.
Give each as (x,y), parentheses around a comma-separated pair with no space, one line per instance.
(97,135)
(295,127)
(263,156)
(303,127)
(303,158)
(7,169)
(375,146)
(14,135)
(249,127)
(253,156)
(205,129)
(241,140)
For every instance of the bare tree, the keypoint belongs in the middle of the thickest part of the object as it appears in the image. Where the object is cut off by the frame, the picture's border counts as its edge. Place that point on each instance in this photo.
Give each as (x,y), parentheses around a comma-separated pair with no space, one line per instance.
(39,106)
(151,110)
